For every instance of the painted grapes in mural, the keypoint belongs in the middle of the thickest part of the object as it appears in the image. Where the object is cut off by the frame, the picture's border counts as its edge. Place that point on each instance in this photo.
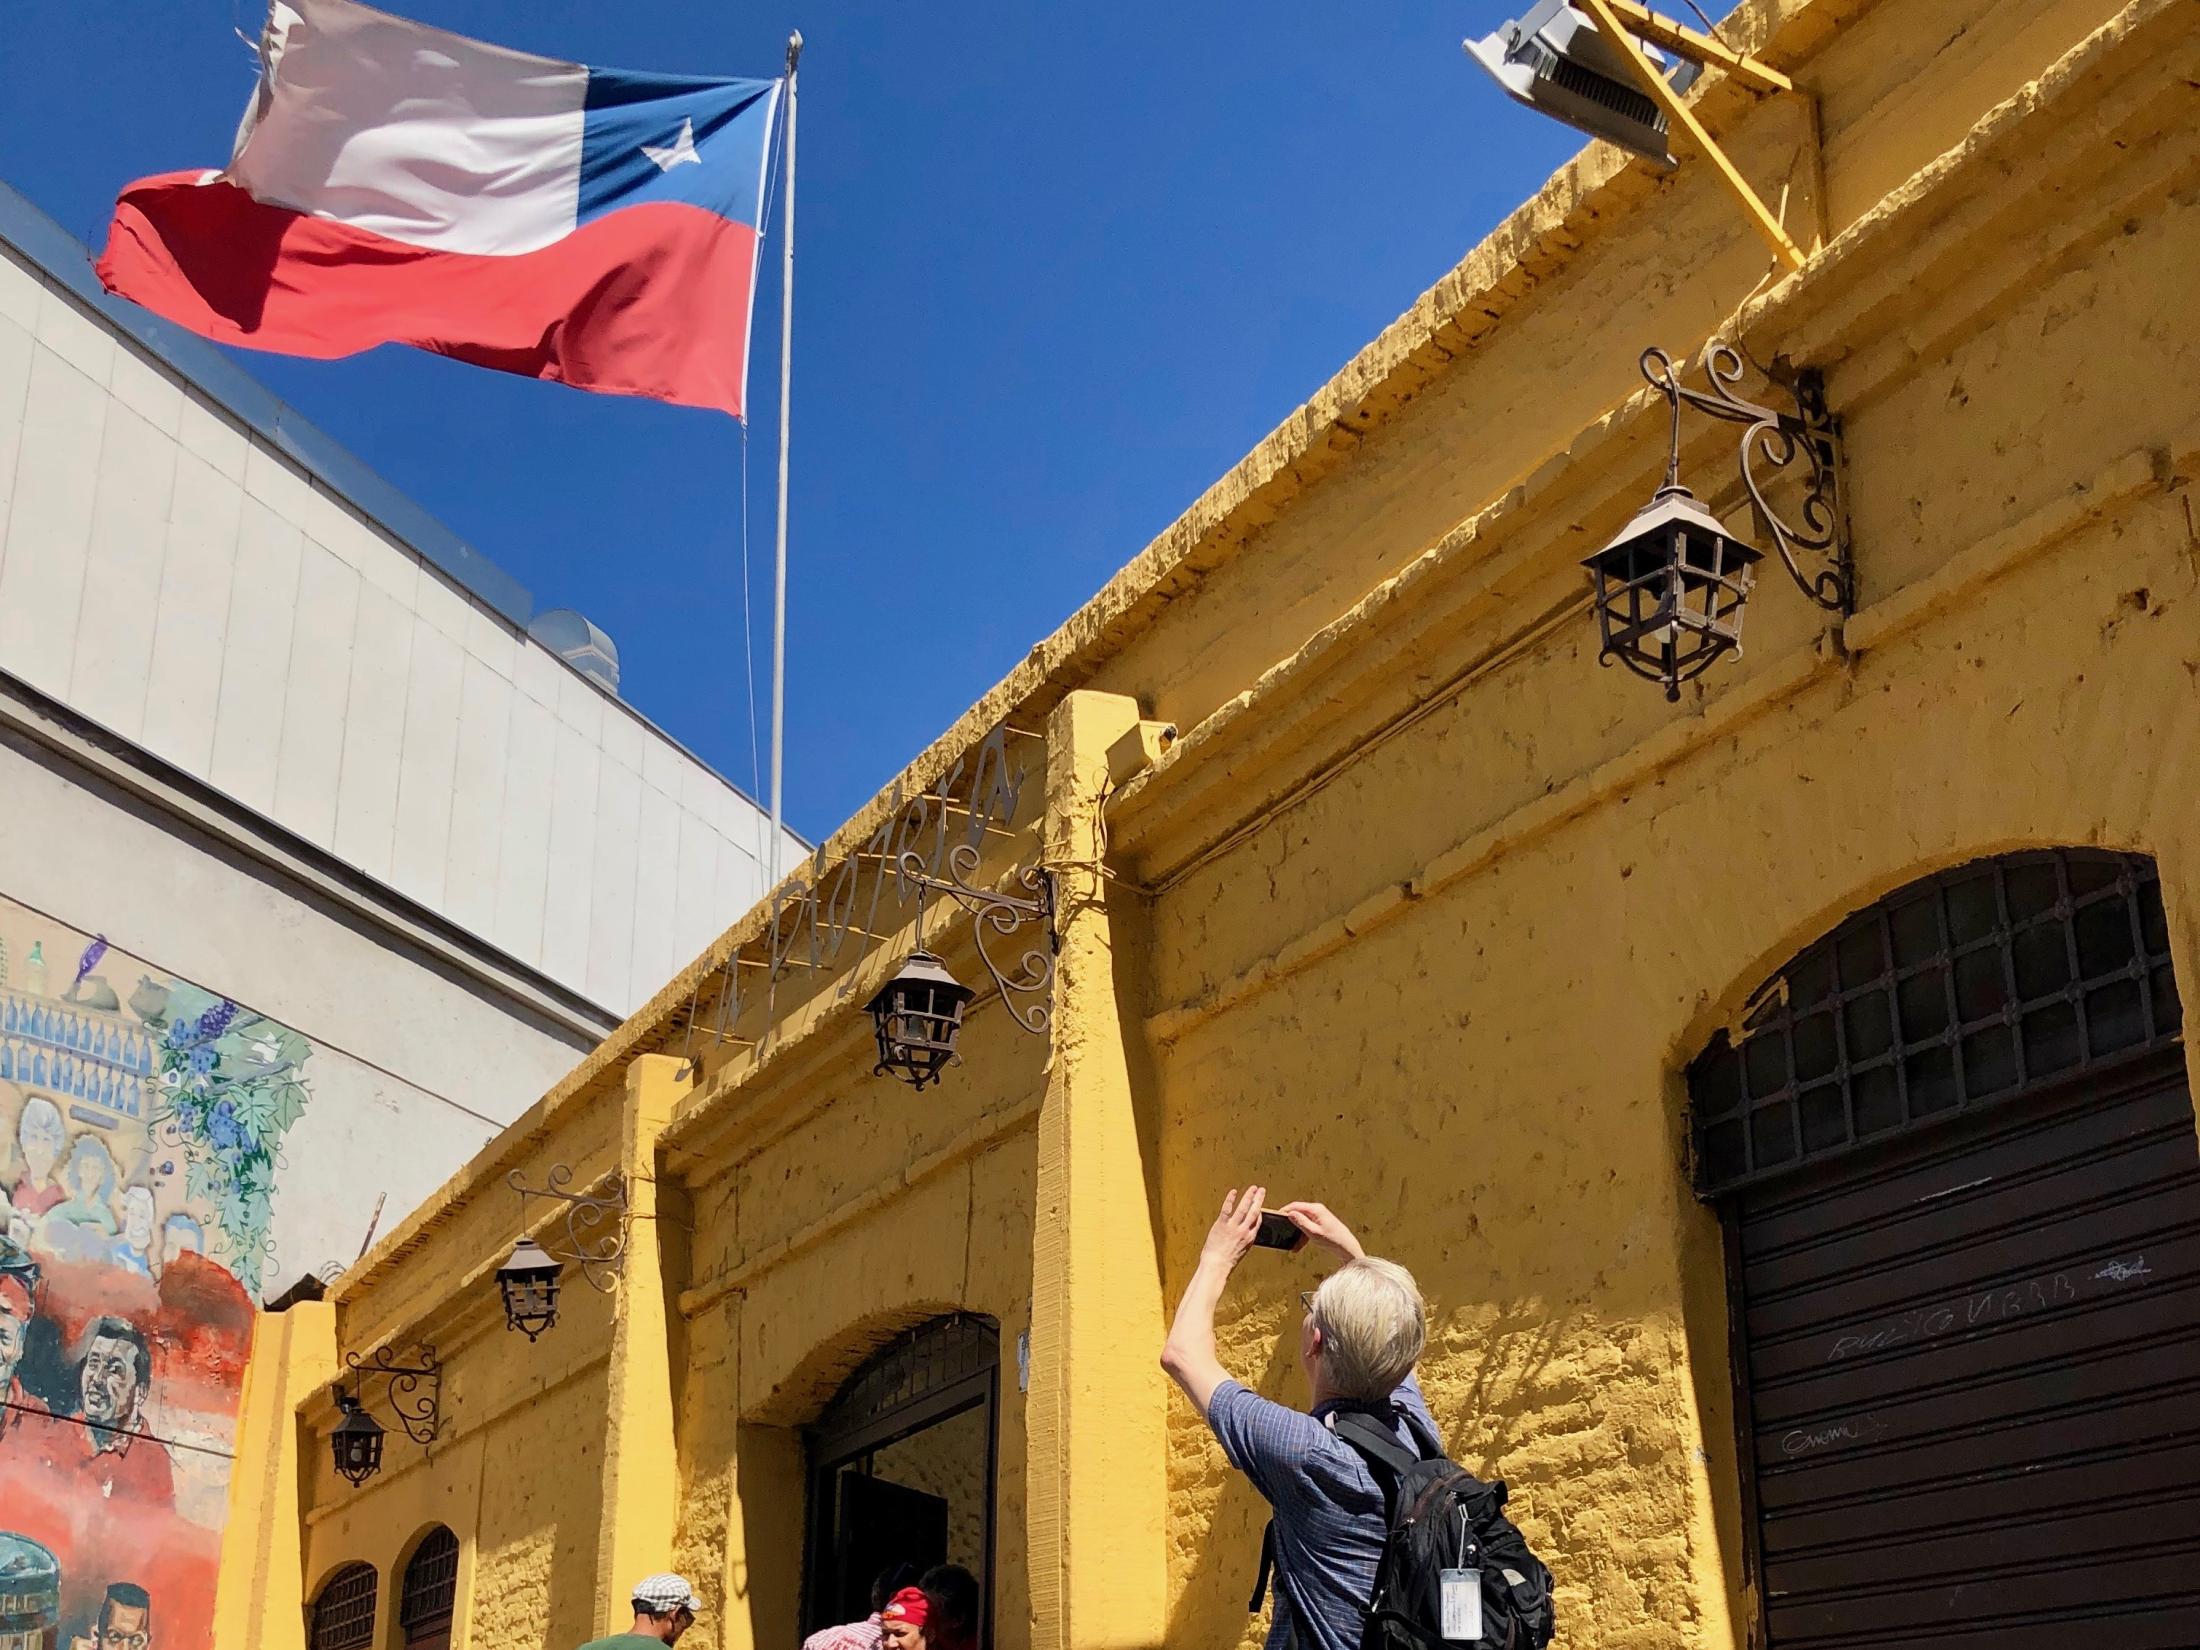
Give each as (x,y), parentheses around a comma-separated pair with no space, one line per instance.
(141,1128)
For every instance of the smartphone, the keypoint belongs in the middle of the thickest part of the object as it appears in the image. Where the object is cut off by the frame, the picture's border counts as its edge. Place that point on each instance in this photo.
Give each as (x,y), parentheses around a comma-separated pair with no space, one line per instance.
(1278,1232)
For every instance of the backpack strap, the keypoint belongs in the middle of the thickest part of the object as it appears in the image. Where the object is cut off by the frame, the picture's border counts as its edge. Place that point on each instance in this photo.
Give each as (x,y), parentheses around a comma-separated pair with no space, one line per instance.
(1375,1443)
(1267,1569)
(1388,1461)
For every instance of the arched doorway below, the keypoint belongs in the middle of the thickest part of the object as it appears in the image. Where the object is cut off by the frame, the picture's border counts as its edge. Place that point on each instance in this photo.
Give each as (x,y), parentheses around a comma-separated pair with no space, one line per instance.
(902,1467)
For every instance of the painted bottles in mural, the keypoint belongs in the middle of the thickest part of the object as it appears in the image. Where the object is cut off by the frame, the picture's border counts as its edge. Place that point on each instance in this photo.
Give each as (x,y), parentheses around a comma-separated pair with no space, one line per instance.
(34,969)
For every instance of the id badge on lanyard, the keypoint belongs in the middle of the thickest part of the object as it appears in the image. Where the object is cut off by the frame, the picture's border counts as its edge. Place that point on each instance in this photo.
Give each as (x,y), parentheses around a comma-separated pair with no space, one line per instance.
(1462,1600)
(1460,1590)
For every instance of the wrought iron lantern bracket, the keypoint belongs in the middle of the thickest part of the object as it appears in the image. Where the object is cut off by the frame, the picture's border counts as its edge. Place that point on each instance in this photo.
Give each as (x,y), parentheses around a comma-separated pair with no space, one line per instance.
(1814,544)
(596,1252)
(993,912)
(415,1391)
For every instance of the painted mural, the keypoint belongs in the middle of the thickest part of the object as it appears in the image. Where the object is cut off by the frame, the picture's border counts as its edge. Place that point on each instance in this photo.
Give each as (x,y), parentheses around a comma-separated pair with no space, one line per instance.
(141,1127)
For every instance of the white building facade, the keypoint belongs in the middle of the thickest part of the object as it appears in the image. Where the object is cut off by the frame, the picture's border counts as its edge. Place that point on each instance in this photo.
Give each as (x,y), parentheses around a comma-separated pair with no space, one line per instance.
(316,868)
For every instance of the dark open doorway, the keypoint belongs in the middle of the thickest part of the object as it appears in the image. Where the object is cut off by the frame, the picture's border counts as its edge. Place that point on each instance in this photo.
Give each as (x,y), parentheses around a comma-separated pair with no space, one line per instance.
(902,1467)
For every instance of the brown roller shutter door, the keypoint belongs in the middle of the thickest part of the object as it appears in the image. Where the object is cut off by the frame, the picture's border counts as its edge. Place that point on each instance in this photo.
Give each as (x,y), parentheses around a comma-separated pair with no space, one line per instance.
(1971,1387)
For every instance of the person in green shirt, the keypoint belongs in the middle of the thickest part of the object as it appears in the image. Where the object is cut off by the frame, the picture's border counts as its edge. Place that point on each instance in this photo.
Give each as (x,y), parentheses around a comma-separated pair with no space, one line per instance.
(664,1608)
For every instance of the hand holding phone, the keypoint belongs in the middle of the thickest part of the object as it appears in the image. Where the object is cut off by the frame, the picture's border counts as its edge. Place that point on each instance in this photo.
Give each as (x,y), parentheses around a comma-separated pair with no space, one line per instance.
(1278,1232)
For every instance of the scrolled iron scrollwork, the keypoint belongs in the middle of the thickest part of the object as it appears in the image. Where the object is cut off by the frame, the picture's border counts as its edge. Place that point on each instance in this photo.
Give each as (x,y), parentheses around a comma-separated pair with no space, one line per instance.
(1813,546)
(414,1391)
(997,913)
(596,1253)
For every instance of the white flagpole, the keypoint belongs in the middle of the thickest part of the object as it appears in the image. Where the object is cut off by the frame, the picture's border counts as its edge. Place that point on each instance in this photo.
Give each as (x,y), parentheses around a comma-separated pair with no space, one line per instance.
(779,579)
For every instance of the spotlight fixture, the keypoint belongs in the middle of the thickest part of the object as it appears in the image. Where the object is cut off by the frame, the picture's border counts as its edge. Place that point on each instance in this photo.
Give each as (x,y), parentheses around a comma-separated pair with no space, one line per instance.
(1556,61)
(1617,70)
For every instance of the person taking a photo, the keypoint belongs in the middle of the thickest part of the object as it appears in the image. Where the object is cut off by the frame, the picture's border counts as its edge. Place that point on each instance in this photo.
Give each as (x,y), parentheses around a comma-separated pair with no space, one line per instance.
(1362,1332)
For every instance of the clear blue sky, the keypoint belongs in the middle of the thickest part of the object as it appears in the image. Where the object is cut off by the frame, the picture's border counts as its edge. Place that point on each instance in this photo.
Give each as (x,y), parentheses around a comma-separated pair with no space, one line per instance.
(1060,267)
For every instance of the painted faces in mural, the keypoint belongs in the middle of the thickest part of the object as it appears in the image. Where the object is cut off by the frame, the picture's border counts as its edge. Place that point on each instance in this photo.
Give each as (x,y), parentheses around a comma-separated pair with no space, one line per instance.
(138,1144)
(18,1282)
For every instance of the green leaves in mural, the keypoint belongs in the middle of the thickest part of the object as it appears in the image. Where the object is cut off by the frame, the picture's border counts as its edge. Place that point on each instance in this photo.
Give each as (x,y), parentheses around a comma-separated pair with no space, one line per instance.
(232,1087)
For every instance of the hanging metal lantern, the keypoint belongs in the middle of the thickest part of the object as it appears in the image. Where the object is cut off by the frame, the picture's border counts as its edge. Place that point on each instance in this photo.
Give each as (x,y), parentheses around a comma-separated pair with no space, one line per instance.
(1671,587)
(529,1281)
(357,1442)
(1670,590)
(918,1015)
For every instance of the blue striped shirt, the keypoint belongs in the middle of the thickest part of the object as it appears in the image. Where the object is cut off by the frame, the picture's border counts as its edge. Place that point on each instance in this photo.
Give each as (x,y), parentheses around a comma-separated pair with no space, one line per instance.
(1328,1509)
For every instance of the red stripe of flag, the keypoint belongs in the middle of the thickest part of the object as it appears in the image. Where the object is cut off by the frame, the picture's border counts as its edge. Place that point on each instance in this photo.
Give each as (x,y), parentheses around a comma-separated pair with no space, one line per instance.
(649,300)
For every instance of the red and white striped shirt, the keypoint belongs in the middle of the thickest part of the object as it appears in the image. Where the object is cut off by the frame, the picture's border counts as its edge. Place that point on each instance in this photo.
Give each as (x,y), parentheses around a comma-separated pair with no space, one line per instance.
(857,1635)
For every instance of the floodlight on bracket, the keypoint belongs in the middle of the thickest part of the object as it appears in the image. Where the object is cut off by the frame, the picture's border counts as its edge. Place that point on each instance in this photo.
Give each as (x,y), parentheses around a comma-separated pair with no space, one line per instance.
(1588,63)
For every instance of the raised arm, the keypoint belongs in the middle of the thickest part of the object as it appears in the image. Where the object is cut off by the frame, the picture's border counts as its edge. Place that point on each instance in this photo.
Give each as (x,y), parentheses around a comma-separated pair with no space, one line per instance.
(1189,1353)
(1324,1228)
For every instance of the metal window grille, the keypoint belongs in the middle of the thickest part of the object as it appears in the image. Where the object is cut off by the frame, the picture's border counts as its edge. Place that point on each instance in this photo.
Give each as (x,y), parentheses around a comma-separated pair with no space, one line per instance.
(343,1614)
(430,1593)
(927,1359)
(1959,991)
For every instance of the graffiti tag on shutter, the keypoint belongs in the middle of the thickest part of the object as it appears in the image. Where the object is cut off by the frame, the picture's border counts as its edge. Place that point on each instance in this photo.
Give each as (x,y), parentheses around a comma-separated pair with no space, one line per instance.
(1987,1307)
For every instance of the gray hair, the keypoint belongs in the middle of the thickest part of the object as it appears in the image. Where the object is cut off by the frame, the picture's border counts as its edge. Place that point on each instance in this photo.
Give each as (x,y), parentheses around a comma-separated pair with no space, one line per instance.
(1373,1329)
(42,1116)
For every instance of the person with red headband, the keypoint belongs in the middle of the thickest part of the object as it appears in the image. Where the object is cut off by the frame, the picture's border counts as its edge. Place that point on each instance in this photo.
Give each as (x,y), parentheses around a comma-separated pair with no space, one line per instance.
(868,1633)
(904,1620)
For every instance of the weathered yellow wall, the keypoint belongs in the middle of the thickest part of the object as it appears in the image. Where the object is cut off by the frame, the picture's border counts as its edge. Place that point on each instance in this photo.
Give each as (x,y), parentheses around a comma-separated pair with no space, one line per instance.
(516,1475)
(1484,1073)
(867,1211)
(1422,914)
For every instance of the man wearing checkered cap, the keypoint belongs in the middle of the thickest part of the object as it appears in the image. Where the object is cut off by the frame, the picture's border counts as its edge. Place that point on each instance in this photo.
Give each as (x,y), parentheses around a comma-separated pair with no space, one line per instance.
(664,1608)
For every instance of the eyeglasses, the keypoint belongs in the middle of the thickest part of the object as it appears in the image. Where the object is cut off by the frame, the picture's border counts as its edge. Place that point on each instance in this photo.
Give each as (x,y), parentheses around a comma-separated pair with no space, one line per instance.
(1306,1299)
(121,1640)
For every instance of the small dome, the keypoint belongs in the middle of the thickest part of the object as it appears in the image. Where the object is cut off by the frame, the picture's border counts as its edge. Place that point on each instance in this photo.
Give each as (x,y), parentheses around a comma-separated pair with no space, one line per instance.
(573,638)
(30,1585)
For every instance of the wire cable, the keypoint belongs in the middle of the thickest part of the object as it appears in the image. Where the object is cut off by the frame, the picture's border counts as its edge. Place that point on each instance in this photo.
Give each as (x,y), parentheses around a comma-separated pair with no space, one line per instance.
(1712,27)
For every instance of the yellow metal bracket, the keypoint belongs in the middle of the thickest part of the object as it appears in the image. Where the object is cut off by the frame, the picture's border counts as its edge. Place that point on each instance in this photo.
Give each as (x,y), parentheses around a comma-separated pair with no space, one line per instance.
(1628,24)
(1702,48)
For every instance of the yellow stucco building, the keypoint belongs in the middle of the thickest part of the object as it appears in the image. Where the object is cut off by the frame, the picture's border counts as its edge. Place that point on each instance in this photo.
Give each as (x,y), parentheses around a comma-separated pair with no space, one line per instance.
(1780,1094)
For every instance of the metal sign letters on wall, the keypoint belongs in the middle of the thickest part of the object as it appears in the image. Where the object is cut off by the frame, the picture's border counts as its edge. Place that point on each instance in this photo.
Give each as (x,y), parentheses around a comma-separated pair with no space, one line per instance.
(933,835)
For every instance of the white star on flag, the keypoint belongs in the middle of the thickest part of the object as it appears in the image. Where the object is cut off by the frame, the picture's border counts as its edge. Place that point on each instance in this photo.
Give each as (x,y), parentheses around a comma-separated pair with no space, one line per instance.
(682,152)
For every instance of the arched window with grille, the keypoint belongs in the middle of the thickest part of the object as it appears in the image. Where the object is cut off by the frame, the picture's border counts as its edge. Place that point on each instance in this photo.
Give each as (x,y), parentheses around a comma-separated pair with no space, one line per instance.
(342,1617)
(429,1596)
(1952,1148)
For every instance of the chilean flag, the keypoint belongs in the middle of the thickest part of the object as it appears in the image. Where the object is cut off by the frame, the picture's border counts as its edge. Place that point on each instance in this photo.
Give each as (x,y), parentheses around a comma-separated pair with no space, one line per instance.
(394,183)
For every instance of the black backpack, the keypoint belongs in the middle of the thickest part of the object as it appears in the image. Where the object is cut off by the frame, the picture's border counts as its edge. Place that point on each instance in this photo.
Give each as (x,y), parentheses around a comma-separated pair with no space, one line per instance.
(1444,1518)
